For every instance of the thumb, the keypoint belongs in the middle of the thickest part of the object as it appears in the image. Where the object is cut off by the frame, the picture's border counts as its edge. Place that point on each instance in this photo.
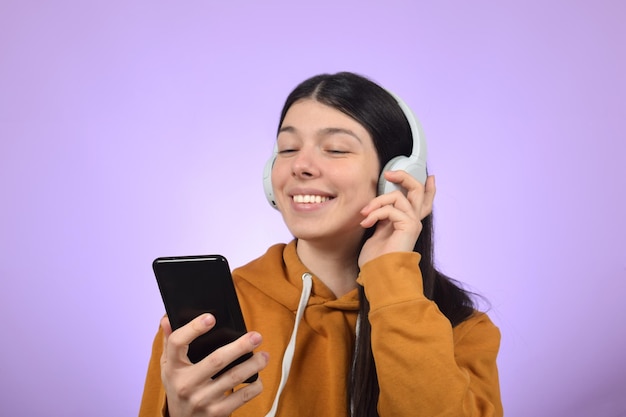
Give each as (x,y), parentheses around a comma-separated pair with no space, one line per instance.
(166,326)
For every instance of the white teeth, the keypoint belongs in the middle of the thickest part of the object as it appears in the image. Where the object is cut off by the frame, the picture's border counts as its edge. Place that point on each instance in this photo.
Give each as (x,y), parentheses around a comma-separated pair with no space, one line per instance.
(309,198)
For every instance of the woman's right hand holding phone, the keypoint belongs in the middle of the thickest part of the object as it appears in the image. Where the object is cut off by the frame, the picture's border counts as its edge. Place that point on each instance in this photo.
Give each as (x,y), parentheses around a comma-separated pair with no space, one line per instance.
(189,387)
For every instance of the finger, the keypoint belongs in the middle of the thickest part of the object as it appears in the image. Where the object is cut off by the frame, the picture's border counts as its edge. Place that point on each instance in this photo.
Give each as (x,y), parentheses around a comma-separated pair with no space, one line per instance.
(209,393)
(177,343)
(394,198)
(403,179)
(401,220)
(422,197)
(167,331)
(242,396)
(415,191)
(226,354)
(166,326)
(225,404)
(239,374)
(429,197)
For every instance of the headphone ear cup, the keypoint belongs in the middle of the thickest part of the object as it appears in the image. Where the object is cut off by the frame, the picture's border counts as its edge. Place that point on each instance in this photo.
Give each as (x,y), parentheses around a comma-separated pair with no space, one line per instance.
(267,181)
(411,165)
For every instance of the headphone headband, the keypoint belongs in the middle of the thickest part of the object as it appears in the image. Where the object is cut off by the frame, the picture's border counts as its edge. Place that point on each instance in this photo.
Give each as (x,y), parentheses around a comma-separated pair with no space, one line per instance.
(417,134)
(414,164)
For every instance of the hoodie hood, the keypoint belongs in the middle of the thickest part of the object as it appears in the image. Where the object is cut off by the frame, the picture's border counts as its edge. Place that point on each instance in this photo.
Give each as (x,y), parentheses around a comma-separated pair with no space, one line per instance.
(284,285)
(281,277)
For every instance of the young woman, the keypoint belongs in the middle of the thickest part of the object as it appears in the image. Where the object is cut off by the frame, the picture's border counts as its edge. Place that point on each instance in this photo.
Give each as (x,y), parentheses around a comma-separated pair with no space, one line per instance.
(378,331)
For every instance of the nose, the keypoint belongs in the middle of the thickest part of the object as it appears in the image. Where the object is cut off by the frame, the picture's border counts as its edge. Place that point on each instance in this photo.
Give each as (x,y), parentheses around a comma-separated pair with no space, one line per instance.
(305,165)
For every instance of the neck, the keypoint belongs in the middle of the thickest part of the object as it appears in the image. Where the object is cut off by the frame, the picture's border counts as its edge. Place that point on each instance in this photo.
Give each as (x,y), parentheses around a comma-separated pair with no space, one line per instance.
(335,265)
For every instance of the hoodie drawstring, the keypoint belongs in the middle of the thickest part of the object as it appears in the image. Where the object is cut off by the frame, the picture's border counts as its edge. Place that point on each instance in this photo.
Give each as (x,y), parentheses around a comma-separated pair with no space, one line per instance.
(307,283)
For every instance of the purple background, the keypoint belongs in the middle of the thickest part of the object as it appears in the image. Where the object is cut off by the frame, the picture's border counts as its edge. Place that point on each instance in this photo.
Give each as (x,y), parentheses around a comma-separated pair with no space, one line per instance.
(131,130)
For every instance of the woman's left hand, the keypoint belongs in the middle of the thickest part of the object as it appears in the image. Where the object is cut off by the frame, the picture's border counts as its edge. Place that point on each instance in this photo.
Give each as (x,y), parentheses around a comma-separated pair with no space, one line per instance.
(398,218)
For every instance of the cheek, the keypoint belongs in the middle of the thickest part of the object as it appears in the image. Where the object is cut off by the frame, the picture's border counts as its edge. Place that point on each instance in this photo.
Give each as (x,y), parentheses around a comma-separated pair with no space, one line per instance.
(277,182)
(366,179)
(279,173)
(374,178)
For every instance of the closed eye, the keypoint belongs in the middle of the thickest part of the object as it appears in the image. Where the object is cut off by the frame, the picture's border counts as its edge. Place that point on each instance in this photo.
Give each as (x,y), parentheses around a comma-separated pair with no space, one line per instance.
(337,151)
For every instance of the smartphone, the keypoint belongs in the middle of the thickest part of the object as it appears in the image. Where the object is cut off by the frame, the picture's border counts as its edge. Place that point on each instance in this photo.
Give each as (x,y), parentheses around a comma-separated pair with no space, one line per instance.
(193,285)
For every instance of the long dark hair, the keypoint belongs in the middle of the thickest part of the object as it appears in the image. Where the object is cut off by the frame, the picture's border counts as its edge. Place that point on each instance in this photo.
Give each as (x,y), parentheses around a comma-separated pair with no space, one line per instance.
(375,109)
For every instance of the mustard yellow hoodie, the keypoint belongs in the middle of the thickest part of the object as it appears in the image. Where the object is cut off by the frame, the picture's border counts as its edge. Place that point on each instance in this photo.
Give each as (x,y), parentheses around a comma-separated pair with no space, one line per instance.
(425,367)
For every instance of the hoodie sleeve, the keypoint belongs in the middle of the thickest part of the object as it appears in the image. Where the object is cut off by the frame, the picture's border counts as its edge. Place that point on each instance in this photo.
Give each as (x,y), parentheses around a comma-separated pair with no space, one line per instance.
(423,364)
(153,403)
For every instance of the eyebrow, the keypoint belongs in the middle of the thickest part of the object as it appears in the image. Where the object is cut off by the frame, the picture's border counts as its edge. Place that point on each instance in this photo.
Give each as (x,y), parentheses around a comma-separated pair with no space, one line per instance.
(325,132)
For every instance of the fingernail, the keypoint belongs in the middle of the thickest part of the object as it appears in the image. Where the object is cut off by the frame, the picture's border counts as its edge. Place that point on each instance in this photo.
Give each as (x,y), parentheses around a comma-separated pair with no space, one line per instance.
(255,338)
(208,320)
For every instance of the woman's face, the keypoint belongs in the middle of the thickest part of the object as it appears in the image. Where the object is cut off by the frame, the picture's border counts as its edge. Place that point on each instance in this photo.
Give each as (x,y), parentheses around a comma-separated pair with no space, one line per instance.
(326,171)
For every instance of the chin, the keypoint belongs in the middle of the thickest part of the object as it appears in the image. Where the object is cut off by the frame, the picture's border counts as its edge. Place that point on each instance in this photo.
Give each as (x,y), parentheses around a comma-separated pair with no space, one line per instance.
(331,238)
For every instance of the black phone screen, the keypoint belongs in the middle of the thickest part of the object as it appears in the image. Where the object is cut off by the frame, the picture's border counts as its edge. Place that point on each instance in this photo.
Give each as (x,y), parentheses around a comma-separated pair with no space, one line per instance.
(193,285)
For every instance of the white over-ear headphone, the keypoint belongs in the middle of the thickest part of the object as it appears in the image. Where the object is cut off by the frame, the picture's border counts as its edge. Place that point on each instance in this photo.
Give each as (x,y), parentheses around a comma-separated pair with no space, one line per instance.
(415,164)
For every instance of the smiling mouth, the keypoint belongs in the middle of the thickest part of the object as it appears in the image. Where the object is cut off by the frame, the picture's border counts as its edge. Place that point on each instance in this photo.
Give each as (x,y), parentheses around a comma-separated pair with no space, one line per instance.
(307,198)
